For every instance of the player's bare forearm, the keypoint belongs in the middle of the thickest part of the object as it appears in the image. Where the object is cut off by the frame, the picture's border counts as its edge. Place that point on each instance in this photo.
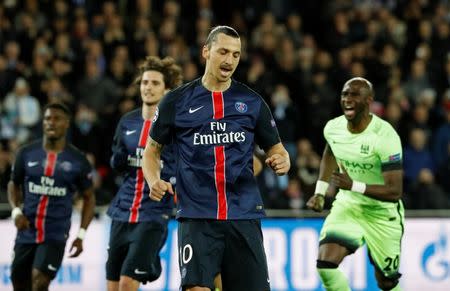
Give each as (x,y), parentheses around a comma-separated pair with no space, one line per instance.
(151,165)
(327,164)
(257,166)
(278,159)
(391,190)
(15,196)
(87,212)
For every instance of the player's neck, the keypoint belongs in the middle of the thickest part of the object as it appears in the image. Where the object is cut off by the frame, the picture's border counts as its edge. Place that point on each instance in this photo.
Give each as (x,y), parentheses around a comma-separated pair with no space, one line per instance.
(213,85)
(148,111)
(54,145)
(358,126)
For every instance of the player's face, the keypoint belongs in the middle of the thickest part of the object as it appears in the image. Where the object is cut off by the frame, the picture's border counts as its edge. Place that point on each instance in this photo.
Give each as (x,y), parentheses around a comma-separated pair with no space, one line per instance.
(152,87)
(223,57)
(354,100)
(55,123)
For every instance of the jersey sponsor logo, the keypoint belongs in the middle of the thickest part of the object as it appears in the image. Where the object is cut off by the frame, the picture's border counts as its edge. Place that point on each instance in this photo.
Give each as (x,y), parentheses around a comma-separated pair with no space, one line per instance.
(138,272)
(128,132)
(195,110)
(51,268)
(241,107)
(219,135)
(47,187)
(32,164)
(355,166)
(46,190)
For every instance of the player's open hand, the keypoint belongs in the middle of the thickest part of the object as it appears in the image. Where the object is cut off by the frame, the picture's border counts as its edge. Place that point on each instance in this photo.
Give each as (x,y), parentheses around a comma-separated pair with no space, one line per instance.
(159,188)
(316,202)
(342,180)
(22,222)
(280,164)
(76,249)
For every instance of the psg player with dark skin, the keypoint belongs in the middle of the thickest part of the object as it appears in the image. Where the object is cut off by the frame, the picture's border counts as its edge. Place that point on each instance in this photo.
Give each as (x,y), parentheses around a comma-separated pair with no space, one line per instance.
(39,247)
(215,122)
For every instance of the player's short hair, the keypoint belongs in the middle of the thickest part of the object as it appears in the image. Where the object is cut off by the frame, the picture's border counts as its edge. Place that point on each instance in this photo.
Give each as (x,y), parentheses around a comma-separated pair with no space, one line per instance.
(364,81)
(227,30)
(59,106)
(172,73)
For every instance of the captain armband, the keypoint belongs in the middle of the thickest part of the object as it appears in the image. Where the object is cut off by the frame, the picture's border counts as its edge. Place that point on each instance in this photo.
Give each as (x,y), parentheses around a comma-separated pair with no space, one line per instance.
(359,187)
(81,233)
(321,187)
(16,212)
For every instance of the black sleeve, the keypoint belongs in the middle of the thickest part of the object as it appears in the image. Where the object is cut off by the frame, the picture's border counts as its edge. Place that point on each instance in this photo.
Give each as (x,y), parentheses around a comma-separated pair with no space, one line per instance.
(266,132)
(119,152)
(18,168)
(85,178)
(164,120)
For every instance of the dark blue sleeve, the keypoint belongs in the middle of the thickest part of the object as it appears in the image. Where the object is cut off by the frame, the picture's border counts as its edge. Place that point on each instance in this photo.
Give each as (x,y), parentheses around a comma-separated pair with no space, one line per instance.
(18,168)
(85,178)
(119,152)
(164,120)
(266,132)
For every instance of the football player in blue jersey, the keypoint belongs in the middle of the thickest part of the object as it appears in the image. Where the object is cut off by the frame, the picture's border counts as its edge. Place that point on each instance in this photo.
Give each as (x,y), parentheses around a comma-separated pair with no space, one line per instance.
(215,122)
(45,176)
(139,224)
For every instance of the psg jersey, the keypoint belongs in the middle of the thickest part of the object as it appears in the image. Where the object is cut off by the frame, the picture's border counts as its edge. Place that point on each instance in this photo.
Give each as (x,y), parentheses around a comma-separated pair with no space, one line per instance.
(49,181)
(215,133)
(132,203)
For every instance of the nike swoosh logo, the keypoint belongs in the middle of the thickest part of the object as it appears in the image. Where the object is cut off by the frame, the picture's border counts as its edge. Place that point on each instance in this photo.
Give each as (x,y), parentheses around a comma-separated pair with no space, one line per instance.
(51,268)
(32,164)
(136,271)
(196,109)
(128,132)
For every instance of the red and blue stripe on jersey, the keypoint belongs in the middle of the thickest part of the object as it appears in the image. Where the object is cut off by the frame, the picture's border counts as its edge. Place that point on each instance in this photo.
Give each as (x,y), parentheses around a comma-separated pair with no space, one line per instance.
(215,133)
(219,157)
(132,203)
(49,181)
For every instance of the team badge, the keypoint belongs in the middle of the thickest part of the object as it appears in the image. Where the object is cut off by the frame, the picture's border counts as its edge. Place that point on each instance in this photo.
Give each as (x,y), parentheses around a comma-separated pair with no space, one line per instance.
(155,117)
(241,107)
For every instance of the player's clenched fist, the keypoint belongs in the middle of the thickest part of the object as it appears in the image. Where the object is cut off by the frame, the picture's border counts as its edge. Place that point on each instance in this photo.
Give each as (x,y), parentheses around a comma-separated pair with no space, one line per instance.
(159,188)
(280,164)
(316,202)
(22,222)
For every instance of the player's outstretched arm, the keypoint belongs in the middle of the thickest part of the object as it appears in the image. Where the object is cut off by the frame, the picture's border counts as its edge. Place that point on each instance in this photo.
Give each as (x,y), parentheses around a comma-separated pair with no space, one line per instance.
(151,166)
(87,213)
(327,166)
(15,198)
(278,159)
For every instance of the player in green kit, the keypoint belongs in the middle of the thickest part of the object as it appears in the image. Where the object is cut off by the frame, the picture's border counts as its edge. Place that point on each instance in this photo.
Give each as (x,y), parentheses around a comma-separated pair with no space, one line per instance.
(363,158)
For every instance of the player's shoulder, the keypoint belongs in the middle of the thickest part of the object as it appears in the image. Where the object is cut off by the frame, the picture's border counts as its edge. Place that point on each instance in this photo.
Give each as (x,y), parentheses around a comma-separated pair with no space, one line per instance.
(382,127)
(245,89)
(135,113)
(76,152)
(31,146)
(337,122)
(181,91)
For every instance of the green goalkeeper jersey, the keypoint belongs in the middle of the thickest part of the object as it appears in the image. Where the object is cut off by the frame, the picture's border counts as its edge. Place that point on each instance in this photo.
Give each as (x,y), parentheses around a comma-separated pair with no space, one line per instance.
(364,155)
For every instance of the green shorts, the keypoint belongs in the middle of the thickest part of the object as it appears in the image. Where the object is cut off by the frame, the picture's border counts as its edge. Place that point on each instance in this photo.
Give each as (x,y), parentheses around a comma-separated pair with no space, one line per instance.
(380,228)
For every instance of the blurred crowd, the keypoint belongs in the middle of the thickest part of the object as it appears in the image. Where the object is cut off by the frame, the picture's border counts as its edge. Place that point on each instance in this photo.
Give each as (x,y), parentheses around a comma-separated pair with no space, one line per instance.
(296,54)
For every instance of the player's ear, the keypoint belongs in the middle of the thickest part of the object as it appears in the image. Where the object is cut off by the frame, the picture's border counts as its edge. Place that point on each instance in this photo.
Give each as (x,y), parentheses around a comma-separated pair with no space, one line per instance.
(205,52)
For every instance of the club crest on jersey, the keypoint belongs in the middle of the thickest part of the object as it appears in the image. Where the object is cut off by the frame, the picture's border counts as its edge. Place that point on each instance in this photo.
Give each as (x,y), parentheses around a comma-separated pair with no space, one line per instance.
(155,117)
(364,149)
(241,107)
